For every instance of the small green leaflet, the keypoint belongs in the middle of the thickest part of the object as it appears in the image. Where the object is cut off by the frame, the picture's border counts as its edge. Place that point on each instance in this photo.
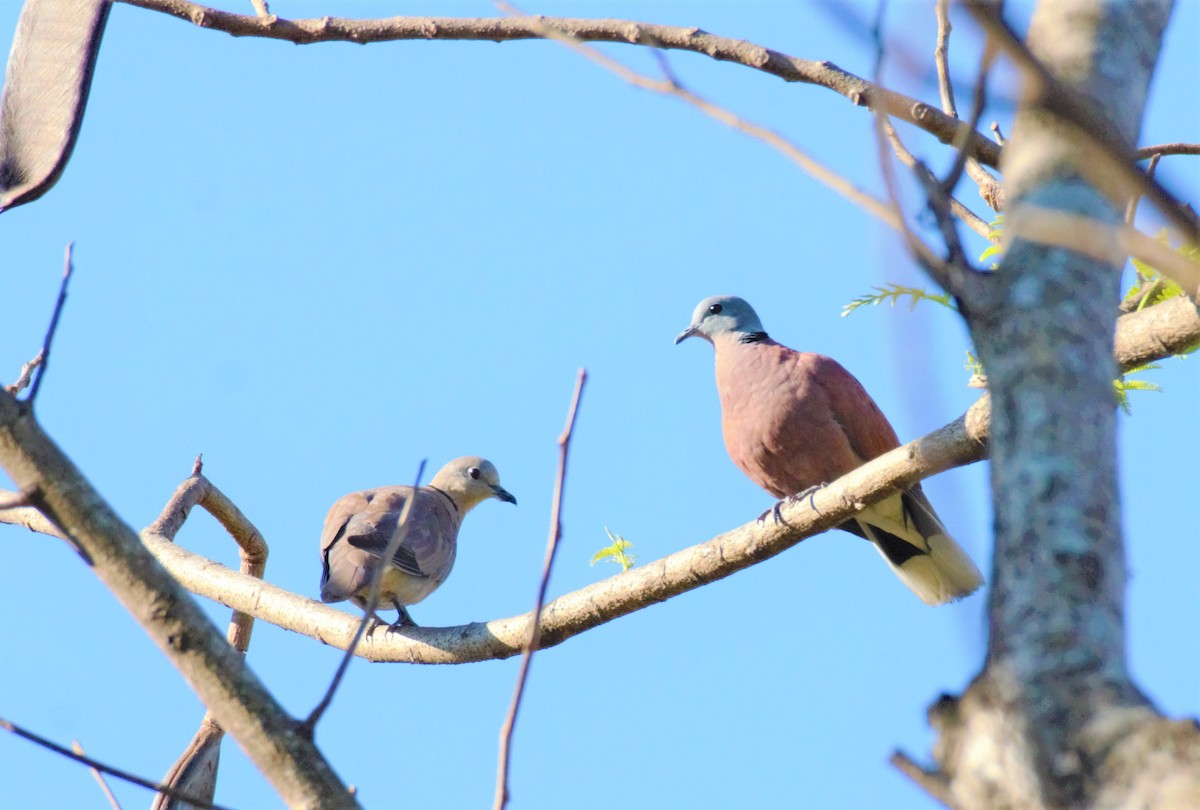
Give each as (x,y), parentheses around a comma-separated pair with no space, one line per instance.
(893,293)
(994,249)
(1123,385)
(618,552)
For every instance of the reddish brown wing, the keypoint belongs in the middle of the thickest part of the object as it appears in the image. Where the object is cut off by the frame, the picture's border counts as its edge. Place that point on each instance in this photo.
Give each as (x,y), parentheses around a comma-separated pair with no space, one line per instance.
(867,429)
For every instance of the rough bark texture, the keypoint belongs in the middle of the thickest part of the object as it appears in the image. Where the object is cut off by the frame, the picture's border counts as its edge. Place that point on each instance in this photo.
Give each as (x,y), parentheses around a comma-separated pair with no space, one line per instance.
(1054,720)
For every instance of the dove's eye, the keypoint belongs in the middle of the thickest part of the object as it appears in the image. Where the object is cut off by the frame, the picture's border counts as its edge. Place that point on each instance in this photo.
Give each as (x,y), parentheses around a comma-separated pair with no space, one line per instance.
(715,309)
(474,473)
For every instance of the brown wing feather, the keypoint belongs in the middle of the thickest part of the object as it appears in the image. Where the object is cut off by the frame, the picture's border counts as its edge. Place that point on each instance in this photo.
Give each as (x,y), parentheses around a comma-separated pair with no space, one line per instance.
(863,423)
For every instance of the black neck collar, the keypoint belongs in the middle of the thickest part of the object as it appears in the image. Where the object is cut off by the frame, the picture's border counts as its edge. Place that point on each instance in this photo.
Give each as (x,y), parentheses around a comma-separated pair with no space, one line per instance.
(446,496)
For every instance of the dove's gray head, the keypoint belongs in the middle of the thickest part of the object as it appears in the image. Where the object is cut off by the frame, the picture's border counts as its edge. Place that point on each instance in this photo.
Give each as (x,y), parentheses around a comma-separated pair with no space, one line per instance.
(470,480)
(721,315)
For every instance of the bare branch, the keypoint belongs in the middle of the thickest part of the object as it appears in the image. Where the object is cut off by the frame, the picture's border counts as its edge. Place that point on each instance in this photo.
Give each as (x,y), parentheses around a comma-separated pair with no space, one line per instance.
(510,721)
(969,217)
(117,773)
(1132,206)
(1168,149)
(932,782)
(1150,334)
(261,8)
(1111,150)
(989,186)
(506,29)
(195,771)
(940,52)
(937,268)
(26,374)
(99,777)
(252,549)
(1108,243)
(996,131)
(44,354)
(16,509)
(309,726)
(170,617)
(670,86)
(953,273)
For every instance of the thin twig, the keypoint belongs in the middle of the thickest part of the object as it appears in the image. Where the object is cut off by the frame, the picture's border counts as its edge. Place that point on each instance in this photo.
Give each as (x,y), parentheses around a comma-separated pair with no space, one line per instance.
(117,773)
(196,767)
(1132,206)
(535,632)
(68,268)
(26,374)
(261,8)
(99,777)
(1109,145)
(987,183)
(996,131)
(309,726)
(197,490)
(935,784)
(989,186)
(1168,149)
(670,86)
(950,272)
(969,217)
(945,88)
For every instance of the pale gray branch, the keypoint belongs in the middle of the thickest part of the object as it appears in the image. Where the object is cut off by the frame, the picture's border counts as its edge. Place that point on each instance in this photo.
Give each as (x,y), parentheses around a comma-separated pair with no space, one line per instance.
(168,614)
(194,773)
(1155,332)
(506,29)
(500,799)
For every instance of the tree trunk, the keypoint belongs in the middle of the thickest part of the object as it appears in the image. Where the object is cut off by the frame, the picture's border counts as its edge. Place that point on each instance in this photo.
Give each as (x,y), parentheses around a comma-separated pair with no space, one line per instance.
(1054,720)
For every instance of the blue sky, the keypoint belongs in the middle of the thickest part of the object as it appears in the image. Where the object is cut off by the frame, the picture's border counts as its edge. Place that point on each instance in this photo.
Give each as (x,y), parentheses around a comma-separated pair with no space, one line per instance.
(318,265)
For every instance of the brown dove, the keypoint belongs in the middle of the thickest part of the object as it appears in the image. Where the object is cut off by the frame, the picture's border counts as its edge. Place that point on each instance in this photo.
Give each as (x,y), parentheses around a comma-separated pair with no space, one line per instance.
(360,525)
(794,421)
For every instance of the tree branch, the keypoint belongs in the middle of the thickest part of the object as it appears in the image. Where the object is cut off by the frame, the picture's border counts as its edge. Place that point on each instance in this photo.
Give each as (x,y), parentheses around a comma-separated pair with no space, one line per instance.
(1152,333)
(510,721)
(99,777)
(1090,237)
(1146,152)
(26,375)
(989,186)
(98,766)
(195,771)
(1110,145)
(506,29)
(173,620)
(671,86)
(309,726)
(44,354)
(969,217)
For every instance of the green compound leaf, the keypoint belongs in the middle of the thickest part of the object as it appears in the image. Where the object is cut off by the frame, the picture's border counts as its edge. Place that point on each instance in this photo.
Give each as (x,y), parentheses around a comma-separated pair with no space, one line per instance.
(892,293)
(618,552)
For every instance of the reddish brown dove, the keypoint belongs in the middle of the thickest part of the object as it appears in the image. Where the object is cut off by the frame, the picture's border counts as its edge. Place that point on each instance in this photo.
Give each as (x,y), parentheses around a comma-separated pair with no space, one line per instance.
(794,421)
(360,525)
